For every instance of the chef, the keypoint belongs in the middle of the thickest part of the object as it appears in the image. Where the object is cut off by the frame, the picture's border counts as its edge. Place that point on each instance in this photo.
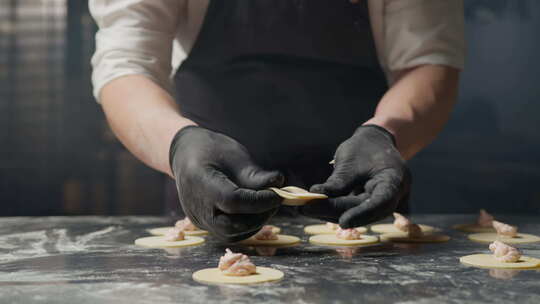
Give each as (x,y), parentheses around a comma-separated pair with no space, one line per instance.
(231,97)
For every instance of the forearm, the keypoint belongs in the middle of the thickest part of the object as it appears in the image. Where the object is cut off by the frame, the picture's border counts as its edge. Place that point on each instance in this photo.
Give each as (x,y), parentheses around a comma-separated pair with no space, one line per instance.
(417,106)
(144,117)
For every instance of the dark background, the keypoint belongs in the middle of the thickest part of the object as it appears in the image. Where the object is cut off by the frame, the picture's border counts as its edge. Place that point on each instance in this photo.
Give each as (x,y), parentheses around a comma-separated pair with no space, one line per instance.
(57,155)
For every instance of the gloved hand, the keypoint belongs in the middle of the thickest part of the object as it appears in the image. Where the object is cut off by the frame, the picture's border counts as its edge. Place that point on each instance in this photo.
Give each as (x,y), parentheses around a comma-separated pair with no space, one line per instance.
(369,179)
(220,188)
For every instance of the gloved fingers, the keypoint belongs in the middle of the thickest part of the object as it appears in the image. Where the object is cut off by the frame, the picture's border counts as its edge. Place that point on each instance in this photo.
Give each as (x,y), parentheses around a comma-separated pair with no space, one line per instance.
(378,204)
(320,209)
(342,180)
(237,227)
(389,176)
(256,178)
(241,168)
(247,201)
(232,199)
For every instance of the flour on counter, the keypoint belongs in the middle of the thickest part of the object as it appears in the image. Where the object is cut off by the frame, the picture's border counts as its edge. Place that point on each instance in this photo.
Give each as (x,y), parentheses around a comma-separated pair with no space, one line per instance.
(34,244)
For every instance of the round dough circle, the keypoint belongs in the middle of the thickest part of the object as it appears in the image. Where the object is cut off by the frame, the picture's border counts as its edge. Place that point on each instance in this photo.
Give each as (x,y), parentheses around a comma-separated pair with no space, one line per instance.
(283,240)
(322,229)
(491,237)
(402,237)
(390,228)
(488,261)
(333,240)
(473,228)
(160,242)
(215,276)
(163,231)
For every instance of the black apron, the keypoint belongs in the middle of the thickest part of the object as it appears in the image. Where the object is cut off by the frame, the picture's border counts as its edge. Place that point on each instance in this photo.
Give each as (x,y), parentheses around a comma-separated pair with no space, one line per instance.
(288,79)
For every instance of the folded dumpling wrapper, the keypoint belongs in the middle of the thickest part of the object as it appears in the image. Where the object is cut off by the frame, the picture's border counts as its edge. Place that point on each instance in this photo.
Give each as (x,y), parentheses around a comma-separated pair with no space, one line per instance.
(296,196)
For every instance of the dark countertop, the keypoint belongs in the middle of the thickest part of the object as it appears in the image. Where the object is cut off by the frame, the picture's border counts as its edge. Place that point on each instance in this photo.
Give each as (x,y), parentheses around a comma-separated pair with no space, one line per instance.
(93,260)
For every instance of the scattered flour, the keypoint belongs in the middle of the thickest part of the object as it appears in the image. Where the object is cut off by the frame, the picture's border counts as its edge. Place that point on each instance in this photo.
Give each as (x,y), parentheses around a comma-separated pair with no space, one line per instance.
(34,244)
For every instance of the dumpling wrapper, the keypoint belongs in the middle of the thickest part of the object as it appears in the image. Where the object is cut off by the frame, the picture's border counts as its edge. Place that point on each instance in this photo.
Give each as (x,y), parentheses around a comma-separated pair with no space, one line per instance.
(473,227)
(390,228)
(161,242)
(323,229)
(521,238)
(163,230)
(282,241)
(296,196)
(216,276)
(488,261)
(403,237)
(333,240)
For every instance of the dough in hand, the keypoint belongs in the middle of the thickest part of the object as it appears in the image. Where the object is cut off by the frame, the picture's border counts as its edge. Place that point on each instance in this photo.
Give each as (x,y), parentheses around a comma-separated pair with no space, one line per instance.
(283,240)
(390,228)
(521,238)
(296,196)
(160,242)
(403,237)
(333,240)
(489,261)
(163,231)
(323,229)
(215,276)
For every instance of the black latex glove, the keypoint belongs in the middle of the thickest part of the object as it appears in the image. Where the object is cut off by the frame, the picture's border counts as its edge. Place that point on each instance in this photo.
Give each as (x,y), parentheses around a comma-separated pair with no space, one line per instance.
(369,179)
(220,188)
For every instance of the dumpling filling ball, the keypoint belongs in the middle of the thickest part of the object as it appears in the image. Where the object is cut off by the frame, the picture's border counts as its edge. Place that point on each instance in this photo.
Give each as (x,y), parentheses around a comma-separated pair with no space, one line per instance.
(236,264)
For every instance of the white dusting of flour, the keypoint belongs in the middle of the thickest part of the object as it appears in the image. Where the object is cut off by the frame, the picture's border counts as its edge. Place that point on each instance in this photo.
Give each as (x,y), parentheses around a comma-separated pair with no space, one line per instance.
(34,244)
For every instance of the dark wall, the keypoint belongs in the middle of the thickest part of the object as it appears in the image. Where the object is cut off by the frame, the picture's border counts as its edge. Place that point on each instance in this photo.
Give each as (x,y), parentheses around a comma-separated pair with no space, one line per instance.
(57,156)
(489,154)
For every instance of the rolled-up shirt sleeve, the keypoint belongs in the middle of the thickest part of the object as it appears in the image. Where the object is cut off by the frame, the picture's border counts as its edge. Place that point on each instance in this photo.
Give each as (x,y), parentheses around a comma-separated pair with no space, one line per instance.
(418,32)
(134,37)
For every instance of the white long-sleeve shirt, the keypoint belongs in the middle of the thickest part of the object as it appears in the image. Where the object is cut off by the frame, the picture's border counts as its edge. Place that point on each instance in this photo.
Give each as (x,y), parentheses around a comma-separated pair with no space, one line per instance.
(152,37)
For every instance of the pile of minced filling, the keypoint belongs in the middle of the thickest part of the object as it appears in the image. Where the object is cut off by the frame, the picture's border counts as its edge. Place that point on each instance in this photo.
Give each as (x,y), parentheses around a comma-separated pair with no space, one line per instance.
(486,220)
(266,234)
(504,253)
(236,264)
(177,232)
(186,225)
(348,234)
(505,229)
(404,224)
(501,251)
(344,234)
